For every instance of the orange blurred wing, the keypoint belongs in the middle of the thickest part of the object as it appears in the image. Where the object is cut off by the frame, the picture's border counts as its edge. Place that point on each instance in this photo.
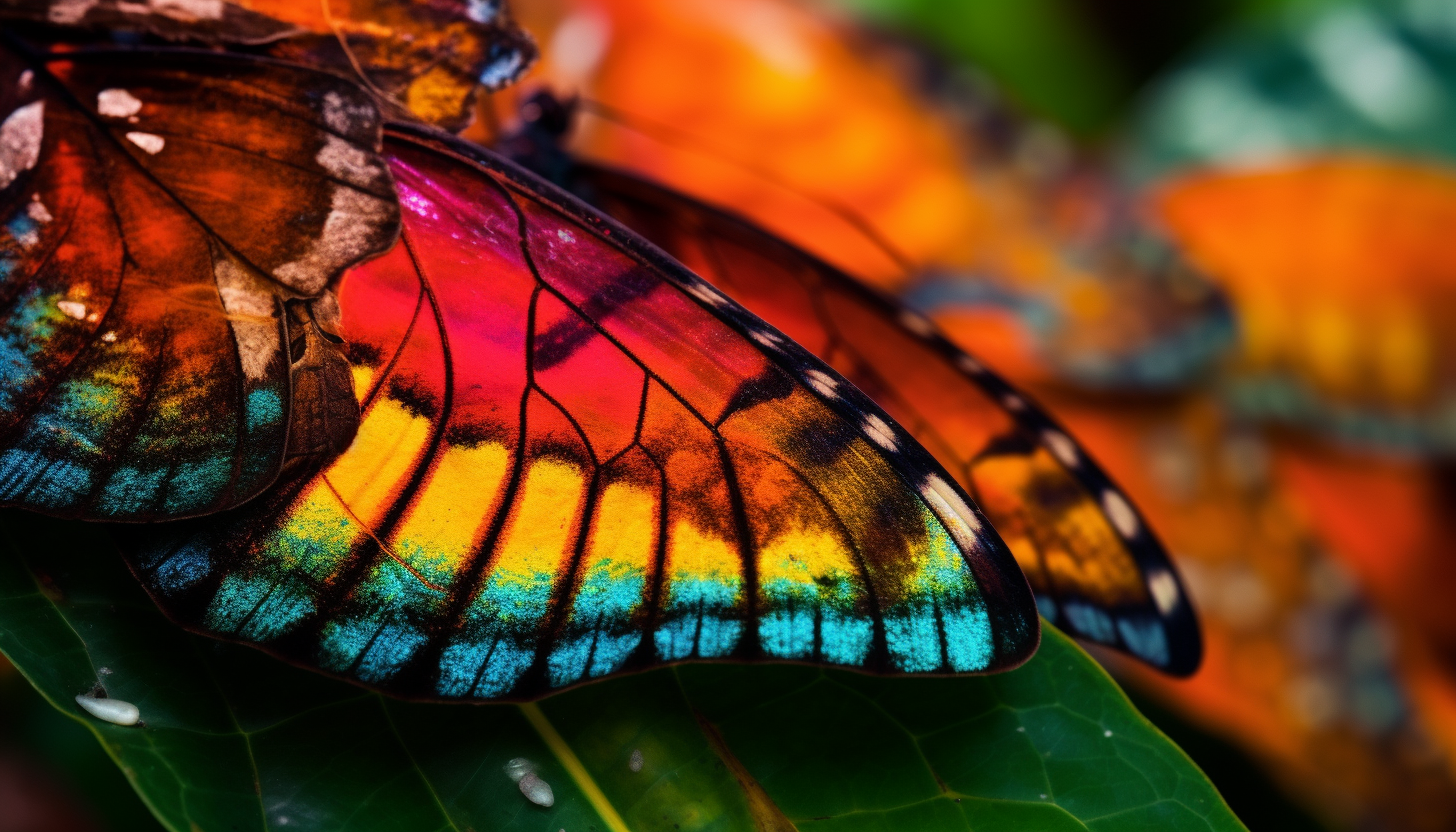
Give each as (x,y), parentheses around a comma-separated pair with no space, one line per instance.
(1096,568)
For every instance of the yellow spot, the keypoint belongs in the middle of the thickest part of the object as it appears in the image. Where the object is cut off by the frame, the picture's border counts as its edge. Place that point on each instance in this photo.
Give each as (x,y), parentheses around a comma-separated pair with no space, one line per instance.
(693,555)
(363,378)
(318,534)
(540,532)
(1404,357)
(802,555)
(448,515)
(626,528)
(370,473)
(1329,347)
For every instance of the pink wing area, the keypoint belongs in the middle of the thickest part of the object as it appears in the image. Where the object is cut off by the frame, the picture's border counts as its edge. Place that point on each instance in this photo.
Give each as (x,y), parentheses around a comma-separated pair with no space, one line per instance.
(577,458)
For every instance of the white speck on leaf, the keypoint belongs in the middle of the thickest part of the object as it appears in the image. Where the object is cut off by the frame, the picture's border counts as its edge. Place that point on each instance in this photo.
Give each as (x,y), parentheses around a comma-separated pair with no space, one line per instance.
(634,761)
(111,710)
(536,790)
(519,767)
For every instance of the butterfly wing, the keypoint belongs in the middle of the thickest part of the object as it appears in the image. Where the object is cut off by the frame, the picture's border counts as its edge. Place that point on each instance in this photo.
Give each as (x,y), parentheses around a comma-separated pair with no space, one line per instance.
(1096,568)
(208,22)
(171,229)
(428,57)
(578,458)
(1342,274)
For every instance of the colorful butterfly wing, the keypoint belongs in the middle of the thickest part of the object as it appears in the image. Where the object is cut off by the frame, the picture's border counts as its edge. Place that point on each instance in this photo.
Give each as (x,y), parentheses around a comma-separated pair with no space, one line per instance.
(1342,273)
(208,22)
(1096,568)
(577,458)
(427,57)
(171,228)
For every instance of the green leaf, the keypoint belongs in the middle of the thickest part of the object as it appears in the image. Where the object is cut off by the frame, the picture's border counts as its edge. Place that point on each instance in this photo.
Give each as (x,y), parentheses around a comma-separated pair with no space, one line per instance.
(1041,50)
(236,740)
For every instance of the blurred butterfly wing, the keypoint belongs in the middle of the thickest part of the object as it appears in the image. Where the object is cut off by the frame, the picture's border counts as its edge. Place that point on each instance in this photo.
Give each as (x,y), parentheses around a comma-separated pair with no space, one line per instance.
(171,227)
(578,458)
(1096,568)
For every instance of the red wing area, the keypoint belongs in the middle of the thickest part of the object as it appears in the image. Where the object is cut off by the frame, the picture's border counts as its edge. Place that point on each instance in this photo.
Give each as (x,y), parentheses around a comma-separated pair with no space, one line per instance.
(1095,567)
(577,458)
(159,217)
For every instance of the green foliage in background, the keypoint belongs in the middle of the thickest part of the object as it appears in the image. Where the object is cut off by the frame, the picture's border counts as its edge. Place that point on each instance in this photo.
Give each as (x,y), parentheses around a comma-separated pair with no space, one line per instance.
(1077,63)
(236,740)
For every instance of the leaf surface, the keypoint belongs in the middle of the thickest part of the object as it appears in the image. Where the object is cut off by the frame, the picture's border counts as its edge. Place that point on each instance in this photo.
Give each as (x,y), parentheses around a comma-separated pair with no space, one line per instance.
(236,740)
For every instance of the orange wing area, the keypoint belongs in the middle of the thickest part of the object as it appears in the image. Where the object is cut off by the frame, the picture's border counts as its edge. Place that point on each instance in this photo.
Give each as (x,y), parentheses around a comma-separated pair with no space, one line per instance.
(1299,667)
(166,225)
(577,458)
(771,109)
(428,57)
(1344,280)
(815,132)
(1095,567)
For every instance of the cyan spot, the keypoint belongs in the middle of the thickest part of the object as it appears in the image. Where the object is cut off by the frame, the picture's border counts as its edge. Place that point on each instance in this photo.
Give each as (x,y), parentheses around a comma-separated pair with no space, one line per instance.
(1089,621)
(914,640)
(265,409)
(845,639)
(968,642)
(1145,639)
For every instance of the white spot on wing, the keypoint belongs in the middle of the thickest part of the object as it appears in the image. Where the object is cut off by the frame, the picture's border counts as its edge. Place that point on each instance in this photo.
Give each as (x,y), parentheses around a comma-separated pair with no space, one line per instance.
(483,11)
(1061,446)
(969,364)
(767,338)
(1115,506)
(117,103)
(111,710)
(248,301)
(707,294)
(66,12)
(953,512)
(822,382)
(188,10)
(72,309)
(917,323)
(20,136)
(150,142)
(26,79)
(1164,589)
(565,236)
(109,337)
(882,433)
(353,218)
(353,164)
(1013,402)
(344,116)
(37,211)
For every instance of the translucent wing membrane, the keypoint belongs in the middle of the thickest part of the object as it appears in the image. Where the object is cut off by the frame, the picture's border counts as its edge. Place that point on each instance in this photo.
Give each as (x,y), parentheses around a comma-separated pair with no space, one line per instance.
(171,227)
(1096,569)
(577,458)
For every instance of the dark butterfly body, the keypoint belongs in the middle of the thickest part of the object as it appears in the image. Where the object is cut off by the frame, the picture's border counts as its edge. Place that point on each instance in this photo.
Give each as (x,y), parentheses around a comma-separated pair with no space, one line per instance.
(1096,568)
